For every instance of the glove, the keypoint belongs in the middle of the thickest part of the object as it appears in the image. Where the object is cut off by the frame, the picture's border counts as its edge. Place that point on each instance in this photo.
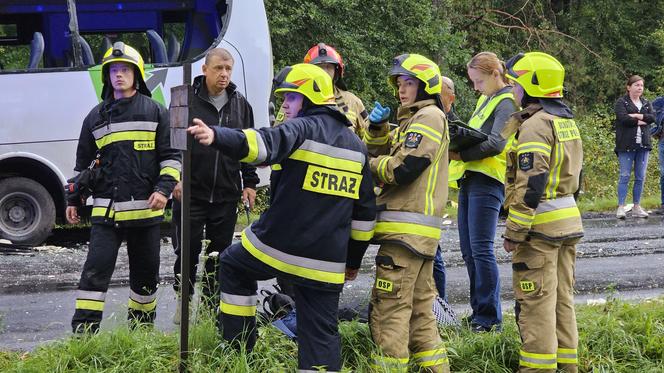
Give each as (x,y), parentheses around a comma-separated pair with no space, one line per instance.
(379,113)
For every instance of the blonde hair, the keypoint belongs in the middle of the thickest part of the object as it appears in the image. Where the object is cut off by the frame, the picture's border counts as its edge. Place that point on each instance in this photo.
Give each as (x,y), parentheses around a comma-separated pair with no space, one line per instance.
(487,62)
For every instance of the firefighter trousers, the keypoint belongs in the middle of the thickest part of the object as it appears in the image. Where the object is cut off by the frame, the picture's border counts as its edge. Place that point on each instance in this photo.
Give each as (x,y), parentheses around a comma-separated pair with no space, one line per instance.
(143,252)
(401,310)
(218,220)
(319,343)
(543,281)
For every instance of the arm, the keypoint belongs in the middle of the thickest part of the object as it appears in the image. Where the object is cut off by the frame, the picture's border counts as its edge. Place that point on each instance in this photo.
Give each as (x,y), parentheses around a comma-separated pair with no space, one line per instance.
(362,224)
(170,165)
(85,153)
(378,138)
(532,173)
(249,176)
(418,150)
(649,116)
(495,144)
(622,117)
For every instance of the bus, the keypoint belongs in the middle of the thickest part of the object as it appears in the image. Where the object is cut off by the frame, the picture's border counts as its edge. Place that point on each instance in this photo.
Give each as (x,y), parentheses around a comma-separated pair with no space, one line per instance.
(50,55)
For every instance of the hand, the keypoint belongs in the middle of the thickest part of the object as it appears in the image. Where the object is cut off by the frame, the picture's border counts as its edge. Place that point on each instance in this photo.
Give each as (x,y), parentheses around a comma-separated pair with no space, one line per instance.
(455,156)
(177,191)
(636,115)
(157,201)
(641,123)
(201,132)
(351,274)
(509,246)
(379,114)
(72,215)
(249,194)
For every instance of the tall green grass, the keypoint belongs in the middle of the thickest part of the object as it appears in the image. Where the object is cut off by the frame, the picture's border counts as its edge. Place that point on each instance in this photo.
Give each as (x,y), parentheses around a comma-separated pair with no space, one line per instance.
(615,337)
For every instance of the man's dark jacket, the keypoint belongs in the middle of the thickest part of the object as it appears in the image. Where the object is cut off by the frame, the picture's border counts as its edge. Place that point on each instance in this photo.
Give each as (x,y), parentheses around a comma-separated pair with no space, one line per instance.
(214,176)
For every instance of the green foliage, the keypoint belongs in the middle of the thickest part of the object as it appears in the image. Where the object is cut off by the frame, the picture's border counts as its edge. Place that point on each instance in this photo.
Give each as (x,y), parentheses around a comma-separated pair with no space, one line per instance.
(614,337)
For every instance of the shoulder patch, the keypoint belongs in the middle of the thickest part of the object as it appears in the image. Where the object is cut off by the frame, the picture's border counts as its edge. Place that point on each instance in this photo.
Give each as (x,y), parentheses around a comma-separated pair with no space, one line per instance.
(526,161)
(413,140)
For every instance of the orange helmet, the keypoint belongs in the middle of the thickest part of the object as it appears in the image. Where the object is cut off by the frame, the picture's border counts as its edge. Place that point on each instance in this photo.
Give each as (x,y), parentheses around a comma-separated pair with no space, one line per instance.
(323,53)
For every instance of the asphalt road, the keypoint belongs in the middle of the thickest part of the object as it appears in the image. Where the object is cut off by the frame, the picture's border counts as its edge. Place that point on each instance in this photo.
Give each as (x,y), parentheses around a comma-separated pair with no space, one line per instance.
(37,288)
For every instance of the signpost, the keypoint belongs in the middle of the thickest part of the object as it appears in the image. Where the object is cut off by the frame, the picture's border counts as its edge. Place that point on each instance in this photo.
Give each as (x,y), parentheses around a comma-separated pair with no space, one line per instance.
(180,119)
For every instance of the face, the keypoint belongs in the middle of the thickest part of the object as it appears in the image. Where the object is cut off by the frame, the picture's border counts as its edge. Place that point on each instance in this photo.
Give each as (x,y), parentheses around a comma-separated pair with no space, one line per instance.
(292,104)
(636,89)
(407,89)
(217,74)
(486,84)
(121,75)
(447,97)
(329,68)
(518,92)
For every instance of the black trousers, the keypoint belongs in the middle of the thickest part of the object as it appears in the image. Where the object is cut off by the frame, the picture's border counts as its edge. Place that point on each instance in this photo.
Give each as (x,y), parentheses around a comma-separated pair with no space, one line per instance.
(319,343)
(218,220)
(143,251)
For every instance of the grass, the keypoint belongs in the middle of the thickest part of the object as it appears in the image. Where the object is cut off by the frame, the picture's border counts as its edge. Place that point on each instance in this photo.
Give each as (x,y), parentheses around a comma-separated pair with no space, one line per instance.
(615,337)
(610,204)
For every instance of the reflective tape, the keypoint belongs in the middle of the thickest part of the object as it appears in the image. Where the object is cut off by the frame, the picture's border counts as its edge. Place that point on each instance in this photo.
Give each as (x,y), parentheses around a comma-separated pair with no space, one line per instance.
(318,270)
(409,217)
(567,356)
(520,218)
(555,204)
(431,358)
(426,131)
(329,156)
(528,147)
(382,166)
(379,140)
(172,164)
(539,361)
(125,136)
(91,295)
(551,216)
(238,305)
(361,230)
(257,149)
(124,127)
(145,303)
(389,364)
(90,305)
(172,172)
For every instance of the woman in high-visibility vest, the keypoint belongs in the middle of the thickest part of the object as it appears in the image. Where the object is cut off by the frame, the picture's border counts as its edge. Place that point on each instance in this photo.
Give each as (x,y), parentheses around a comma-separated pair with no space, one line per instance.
(479,173)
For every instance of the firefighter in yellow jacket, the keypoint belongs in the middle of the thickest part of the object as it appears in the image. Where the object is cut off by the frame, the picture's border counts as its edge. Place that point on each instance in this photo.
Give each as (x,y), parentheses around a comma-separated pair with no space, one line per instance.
(543,224)
(411,165)
(328,59)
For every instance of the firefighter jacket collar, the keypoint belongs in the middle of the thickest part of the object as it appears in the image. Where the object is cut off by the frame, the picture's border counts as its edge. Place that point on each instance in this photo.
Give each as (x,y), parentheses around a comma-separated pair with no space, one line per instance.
(332,110)
(557,107)
(408,111)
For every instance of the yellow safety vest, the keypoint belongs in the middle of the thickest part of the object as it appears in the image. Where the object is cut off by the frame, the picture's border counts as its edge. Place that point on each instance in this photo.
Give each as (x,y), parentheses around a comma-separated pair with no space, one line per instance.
(491,166)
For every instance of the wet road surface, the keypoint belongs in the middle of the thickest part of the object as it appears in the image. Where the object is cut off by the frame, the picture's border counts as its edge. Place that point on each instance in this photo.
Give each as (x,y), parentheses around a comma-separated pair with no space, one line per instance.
(37,288)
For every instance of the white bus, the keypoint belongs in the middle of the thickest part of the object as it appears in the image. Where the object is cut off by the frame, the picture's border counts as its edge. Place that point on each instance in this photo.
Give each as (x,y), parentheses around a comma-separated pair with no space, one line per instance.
(50,79)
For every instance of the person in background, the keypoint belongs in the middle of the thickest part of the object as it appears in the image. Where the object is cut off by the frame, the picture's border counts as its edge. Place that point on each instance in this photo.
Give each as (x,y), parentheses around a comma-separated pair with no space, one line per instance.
(217,181)
(479,171)
(633,143)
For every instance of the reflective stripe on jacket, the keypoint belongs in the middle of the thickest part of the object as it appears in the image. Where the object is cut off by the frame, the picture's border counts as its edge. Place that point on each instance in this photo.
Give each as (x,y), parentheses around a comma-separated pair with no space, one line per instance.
(132,136)
(322,211)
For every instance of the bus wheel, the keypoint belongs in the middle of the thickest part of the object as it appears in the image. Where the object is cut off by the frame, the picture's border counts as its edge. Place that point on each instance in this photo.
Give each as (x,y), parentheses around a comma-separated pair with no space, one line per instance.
(27,211)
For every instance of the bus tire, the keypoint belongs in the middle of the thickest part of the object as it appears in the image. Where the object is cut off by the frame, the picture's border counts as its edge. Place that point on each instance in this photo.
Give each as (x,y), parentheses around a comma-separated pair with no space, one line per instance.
(27,211)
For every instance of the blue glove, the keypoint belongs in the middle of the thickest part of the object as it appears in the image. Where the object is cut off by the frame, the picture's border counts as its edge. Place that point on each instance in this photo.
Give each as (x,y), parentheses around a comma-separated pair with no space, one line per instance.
(379,113)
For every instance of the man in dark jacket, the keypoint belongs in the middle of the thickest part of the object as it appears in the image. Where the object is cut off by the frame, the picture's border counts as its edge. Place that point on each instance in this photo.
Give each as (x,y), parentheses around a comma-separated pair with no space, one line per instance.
(216,185)
(125,142)
(321,216)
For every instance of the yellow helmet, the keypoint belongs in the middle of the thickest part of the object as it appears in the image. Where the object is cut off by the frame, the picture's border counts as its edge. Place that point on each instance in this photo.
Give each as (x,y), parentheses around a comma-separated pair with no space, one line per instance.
(419,67)
(309,80)
(121,52)
(540,74)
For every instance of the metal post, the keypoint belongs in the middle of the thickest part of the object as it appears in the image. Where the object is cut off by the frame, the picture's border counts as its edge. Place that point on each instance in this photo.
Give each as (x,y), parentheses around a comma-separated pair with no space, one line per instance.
(180,120)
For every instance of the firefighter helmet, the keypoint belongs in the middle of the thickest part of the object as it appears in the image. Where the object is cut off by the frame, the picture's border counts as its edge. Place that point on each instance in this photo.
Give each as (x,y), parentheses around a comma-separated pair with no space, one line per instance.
(121,52)
(307,79)
(540,74)
(418,67)
(323,53)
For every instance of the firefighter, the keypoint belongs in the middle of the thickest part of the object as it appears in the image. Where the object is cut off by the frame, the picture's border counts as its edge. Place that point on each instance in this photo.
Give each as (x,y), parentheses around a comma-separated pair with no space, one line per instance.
(544,223)
(479,173)
(330,60)
(129,136)
(411,164)
(319,222)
